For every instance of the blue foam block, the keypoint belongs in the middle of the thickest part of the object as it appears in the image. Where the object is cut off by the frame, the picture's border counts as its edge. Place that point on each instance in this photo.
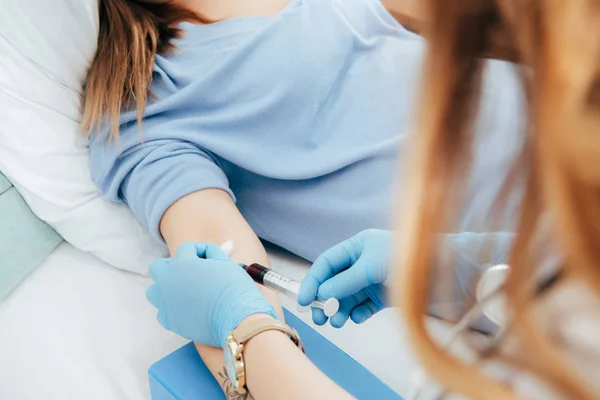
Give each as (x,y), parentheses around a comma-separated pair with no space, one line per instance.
(183,376)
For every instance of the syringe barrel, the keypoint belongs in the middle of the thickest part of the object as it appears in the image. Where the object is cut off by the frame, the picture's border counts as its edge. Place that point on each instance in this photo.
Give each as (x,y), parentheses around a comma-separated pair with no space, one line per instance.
(271,279)
(282,284)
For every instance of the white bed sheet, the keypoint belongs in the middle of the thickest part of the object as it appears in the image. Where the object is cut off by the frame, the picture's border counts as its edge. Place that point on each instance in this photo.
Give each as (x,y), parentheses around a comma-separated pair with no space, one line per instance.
(80,329)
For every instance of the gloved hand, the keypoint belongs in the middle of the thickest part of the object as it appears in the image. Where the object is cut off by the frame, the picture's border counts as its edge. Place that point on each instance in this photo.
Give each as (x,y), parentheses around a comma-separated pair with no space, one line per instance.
(353,272)
(202,295)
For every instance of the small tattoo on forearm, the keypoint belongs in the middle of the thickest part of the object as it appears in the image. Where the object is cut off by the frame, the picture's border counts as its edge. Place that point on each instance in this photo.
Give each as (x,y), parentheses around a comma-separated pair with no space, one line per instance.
(230,392)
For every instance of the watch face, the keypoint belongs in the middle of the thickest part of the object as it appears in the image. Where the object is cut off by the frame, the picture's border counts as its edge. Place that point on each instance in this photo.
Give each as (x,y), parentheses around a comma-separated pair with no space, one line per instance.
(230,364)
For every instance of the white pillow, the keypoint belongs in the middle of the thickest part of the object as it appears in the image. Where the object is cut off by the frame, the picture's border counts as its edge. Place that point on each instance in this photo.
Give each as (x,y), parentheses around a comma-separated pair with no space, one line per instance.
(46,48)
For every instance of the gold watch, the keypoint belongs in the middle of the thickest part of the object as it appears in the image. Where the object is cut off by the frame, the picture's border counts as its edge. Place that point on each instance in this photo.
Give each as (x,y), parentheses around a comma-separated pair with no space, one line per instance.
(237,339)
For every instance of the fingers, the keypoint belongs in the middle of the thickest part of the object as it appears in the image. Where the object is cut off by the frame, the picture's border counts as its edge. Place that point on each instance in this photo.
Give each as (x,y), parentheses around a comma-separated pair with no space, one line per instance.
(158,267)
(190,250)
(201,250)
(153,295)
(336,259)
(162,319)
(378,294)
(308,290)
(364,311)
(346,307)
(214,252)
(345,283)
(319,317)
(360,300)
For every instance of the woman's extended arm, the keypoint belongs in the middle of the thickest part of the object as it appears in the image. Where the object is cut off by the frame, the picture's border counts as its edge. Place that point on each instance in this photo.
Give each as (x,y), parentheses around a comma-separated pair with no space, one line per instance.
(204,296)
(277,369)
(211,216)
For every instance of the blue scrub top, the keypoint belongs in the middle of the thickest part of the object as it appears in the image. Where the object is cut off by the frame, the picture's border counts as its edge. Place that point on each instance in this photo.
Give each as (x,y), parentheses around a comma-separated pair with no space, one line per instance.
(301,118)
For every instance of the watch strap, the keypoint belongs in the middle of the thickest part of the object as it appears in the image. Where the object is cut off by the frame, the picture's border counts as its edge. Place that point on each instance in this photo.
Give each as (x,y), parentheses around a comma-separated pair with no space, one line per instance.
(242,334)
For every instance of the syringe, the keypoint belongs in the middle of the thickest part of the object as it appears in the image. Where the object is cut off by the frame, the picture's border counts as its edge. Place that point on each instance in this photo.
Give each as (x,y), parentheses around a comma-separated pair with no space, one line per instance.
(282,284)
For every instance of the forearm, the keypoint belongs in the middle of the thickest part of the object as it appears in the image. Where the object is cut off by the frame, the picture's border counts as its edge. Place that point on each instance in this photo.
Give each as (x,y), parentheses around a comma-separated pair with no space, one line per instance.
(277,369)
(210,216)
(188,220)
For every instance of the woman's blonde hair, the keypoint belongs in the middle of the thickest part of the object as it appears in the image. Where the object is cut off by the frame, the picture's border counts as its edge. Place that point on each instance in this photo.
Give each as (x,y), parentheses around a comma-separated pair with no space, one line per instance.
(131,33)
(557,45)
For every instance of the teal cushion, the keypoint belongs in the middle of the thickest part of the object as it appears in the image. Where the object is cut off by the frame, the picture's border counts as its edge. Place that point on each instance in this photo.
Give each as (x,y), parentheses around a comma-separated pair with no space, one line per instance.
(25,241)
(4,184)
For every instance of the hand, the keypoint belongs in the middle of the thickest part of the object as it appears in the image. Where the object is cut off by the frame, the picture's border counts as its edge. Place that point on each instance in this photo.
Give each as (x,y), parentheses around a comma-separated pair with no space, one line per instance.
(202,295)
(352,272)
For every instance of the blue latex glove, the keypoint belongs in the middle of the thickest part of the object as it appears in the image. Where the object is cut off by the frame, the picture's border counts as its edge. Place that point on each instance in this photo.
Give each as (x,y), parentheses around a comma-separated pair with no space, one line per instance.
(202,295)
(353,272)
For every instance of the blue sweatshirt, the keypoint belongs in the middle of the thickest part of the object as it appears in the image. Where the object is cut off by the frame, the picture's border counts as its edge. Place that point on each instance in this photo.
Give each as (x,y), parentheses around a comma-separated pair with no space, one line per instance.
(301,118)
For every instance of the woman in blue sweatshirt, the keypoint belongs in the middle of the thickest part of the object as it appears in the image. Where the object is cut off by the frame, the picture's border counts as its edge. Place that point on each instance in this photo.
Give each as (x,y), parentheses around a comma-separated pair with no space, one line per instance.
(282,120)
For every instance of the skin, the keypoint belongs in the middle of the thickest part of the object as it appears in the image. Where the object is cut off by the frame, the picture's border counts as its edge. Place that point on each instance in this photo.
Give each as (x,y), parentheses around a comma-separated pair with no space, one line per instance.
(404,10)
(211,216)
(226,9)
(300,379)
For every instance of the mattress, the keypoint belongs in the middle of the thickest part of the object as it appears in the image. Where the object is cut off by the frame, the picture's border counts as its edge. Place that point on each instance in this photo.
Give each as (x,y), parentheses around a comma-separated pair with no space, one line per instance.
(79,329)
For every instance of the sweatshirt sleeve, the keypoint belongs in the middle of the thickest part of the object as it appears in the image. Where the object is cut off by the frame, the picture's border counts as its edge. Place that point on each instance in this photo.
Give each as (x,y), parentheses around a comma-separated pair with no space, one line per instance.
(151,176)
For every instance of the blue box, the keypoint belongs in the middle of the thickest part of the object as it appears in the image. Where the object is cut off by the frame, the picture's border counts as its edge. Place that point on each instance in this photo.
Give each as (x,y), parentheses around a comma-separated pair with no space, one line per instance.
(183,376)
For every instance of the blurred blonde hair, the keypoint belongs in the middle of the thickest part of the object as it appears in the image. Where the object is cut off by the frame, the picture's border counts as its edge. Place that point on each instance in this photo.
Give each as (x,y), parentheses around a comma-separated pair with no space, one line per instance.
(557,44)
